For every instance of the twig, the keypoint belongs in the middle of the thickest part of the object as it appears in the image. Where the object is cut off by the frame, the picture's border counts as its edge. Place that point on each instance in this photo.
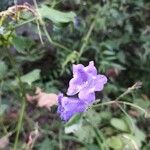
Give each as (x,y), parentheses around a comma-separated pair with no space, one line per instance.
(17,8)
(129,90)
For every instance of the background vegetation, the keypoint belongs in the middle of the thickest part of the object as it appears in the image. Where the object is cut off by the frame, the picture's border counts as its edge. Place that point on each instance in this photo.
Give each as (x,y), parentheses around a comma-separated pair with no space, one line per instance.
(39,44)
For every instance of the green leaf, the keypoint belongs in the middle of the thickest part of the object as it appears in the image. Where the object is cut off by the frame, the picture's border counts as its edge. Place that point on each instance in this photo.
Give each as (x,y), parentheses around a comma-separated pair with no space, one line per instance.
(115,143)
(30,77)
(89,147)
(70,58)
(73,128)
(105,115)
(139,134)
(46,145)
(130,142)
(118,66)
(3,108)
(56,16)
(74,124)
(109,52)
(21,44)
(119,124)
(85,134)
(94,120)
(3,69)
(142,103)
(92,147)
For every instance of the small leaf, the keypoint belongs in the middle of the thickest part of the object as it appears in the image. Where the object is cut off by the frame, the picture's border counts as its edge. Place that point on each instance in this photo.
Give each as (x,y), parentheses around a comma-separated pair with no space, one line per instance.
(119,124)
(46,144)
(105,115)
(130,142)
(3,108)
(21,44)
(85,134)
(73,120)
(3,69)
(56,16)
(115,143)
(31,76)
(73,128)
(94,120)
(73,124)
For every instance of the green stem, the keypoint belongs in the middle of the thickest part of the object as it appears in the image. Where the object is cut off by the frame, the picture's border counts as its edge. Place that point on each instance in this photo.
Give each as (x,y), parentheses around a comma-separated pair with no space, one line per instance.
(22,97)
(53,42)
(129,118)
(87,36)
(45,30)
(99,137)
(60,140)
(120,102)
(86,39)
(19,125)
(25,22)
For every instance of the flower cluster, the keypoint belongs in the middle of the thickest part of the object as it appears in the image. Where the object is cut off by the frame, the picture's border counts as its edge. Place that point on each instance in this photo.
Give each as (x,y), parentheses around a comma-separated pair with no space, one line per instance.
(85,83)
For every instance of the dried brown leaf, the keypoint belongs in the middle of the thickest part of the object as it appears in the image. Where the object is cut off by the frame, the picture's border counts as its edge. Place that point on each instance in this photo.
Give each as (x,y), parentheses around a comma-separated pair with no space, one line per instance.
(4,141)
(33,137)
(43,99)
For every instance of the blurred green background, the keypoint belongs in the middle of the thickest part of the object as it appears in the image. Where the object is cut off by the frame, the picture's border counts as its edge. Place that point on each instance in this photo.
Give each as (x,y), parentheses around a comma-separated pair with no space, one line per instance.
(115,34)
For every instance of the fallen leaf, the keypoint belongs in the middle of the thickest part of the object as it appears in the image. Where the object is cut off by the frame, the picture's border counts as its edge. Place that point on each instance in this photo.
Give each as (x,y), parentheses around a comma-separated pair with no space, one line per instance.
(4,141)
(33,136)
(43,99)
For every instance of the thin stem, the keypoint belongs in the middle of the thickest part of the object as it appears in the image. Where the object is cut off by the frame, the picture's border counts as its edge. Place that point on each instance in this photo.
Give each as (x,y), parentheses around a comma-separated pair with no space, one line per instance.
(19,125)
(137,85)
(45,30)
(99,137)
(87,36)
(120,102)
(25,22)
(53,42)
(22,96)
(60,140)
(38,25)
(132,124)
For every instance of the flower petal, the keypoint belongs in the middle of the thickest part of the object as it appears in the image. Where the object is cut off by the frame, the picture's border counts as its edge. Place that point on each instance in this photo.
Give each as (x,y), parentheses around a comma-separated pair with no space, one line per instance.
(87,95)
(74,86)
(99,82)
(76,68)
(69,106)
(78,81)
(91,69)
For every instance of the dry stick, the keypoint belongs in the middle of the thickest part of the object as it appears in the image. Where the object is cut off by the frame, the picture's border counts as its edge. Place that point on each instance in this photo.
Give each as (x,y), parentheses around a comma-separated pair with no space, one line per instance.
(38,25)
(46,32)
(15,9)
(129,90)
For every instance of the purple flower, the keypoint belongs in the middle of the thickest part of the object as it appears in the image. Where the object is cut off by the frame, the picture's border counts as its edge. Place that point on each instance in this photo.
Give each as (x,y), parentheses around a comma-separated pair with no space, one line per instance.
(85,82)
(67,107)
